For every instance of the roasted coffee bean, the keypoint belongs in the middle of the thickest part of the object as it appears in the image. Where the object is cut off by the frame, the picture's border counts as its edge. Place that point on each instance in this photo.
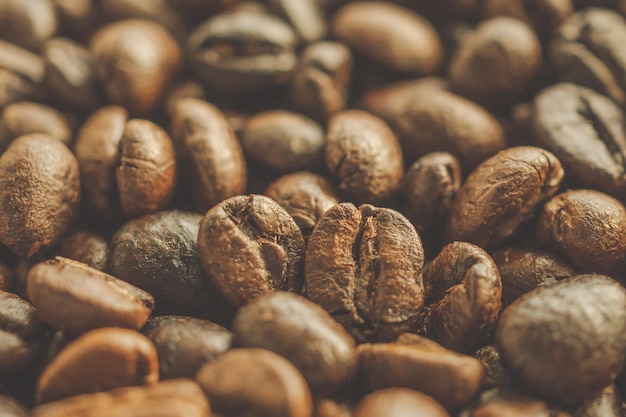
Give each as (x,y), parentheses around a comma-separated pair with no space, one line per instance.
(249,245)
(302,332)
(319,87)
(585,130)
(184,344)
(522,270)
(23,63)
(495,375)
(429,119)
(146,168)
(87,247)
(74,297)
(70,74)
(135,60)
(78,17)
(399,402)
(364,155)
(27,23)
(390,35)
(502,194)
(39,193)
(99,360)
(546,335)
(305,196)
(163,12)
(607,403)
(328,408)
(10,407)
(176,398)
(210,150)
(588,227)
(97,152)
(7,277)
(283,141)
(463,295)
(255,382)
(305,16)
(159,253)
(25,117)
(364,267)
(507,403)
(14,89)
(21,333)
(243,51)
(495,64)
(423,365)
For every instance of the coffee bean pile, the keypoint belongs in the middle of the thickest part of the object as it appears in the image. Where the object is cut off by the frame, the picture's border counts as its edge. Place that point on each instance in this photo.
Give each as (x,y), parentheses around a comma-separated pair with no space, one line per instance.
(312,208)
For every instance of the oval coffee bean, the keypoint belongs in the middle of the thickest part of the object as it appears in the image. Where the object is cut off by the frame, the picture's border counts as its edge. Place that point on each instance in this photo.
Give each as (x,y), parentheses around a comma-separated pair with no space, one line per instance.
(547,330)
(99,360)
(399,402)
(364,155)
(501,194)
(301,332)
(390,35)
(210,150)
(74,297)
(255,382)
(589,227)
(39,193)
(249,245)
(423,365)
(87,247)
(25,117)
(29,23)
(364,267)
(146,169)
(184,344)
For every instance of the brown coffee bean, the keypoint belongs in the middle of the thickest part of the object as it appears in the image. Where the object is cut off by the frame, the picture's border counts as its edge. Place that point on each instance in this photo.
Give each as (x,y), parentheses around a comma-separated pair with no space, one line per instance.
(26,117)
(217,168)
(249,245)
(495,375)
(99,360)
(305,196)
(78,17)
(160,11)
(399,402)
(507,403)
(39,193)
(585,130)
(176,398)
(146,169)
(70,74)
(21,333)
(159,253)
(463,294)
(390,35)
(429,119)
(27,23)
(523,270)
(301,332)
(87,247)
(305,16)
(7,277)
(548,330)
(184,344)
(243,51)
(14,88)
(134,61)
(255,382)
(495,64)
(319,87)
(97,152)
(328,408)
(364,155)
(501,194)
(23,63)
(74,297)
(283,141)
(10,407)
(364,267)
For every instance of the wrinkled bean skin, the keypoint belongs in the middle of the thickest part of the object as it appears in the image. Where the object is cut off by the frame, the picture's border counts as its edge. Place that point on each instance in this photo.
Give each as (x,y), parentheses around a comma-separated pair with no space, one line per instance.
(585,130)
(209,148)
(255,382)
(301,332)
(399,402)
(547,330)
(364,267)
(463,295)
(501,194)
(249,245)
(364,155)
(589,227)
(124,358)
(39,193)
(495,375)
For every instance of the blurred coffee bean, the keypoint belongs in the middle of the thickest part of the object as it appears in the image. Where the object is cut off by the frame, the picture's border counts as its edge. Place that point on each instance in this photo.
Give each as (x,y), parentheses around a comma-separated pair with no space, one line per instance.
(163,12)
(27,23)
(305,16)
(328,408)
(543,333)
(7,277)
(399,402)
(26,117)
(503,402)
(87,247)
(607,403)
(10,407)
(78,18)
